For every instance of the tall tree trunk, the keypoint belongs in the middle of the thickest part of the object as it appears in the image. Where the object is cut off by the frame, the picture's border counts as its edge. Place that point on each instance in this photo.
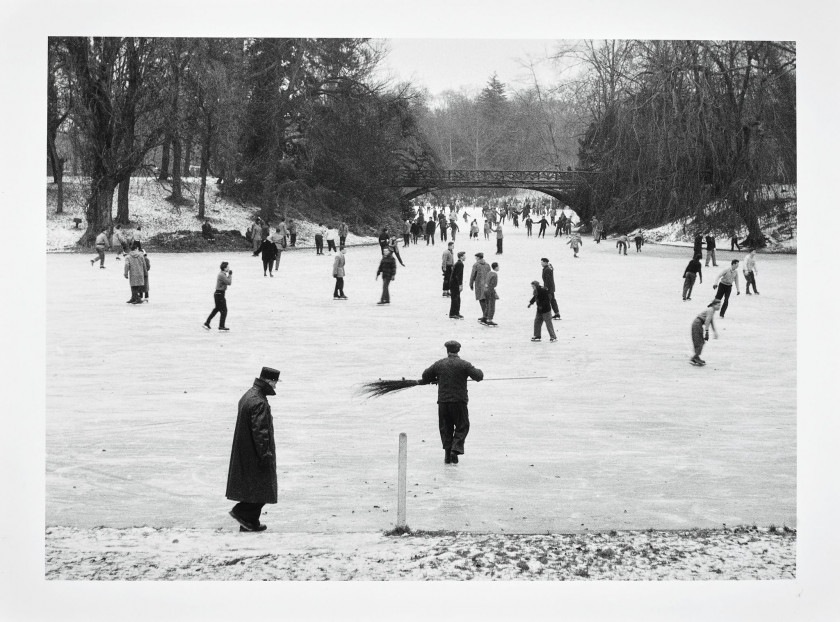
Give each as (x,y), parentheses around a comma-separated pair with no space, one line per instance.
(176,171)
(205,162)
(122,201)
(164,158)
(98,209)
(58,174)
(185,170)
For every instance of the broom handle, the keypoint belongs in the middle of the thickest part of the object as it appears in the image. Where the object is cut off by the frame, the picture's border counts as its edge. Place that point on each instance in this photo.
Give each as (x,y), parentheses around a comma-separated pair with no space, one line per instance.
(511,378)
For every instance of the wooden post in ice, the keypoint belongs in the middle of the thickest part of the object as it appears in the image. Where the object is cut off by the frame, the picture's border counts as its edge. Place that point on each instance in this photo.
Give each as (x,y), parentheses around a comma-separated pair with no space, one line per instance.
(401,480)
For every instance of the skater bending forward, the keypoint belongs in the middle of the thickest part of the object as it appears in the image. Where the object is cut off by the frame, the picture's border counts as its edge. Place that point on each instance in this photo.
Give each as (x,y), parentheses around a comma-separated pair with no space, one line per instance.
(700,330)
(451,375)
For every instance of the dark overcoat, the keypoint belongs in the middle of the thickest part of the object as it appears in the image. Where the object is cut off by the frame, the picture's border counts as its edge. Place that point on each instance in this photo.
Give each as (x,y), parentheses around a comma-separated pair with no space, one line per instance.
(252,474)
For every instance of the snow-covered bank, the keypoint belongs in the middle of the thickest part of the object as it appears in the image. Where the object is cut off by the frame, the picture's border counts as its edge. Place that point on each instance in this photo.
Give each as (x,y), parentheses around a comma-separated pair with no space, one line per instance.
(203,554)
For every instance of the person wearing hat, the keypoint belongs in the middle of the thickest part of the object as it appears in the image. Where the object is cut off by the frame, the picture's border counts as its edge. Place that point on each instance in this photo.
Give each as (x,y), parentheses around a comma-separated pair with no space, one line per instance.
(456,284)
(478,278)
(446,264)
(451,375)
(704,320)
(252,474)
(548,283)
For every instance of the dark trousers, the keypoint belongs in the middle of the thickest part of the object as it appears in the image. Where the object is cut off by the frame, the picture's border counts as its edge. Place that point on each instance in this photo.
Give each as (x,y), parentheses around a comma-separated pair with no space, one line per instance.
(341,240)
(292,239)
(405,239)
(542,231)
(733,244)
(528,228)
(249,511)
(455,301)
(268,264)
(220,308)
(443,234)
(339,286)
(446,274)
(538,322)
(688,284)
(454,425)
(723,292)
(554,307)
(750,278)
(386,295)
(137,293)
(331,245)
(638,246)
(697,336)
(319,244)
(483,304)
(499,246)
(100,252)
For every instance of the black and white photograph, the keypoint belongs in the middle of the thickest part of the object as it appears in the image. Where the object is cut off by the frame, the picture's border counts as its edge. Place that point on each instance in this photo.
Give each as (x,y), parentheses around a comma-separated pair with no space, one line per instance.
(531,314)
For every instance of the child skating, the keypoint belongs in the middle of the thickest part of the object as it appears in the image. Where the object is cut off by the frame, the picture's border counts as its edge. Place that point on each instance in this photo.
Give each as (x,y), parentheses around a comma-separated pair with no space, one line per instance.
(700,330)
(575,242)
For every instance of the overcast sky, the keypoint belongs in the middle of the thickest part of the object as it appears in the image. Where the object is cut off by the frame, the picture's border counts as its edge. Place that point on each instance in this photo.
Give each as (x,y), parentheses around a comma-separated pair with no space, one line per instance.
(441,64)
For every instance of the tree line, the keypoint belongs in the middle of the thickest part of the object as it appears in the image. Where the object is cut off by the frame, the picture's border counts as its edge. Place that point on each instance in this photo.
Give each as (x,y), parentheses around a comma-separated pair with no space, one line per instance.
(273,121)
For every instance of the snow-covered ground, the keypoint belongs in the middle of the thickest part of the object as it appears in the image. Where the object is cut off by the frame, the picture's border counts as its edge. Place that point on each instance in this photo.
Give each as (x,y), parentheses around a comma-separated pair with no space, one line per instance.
(621,434)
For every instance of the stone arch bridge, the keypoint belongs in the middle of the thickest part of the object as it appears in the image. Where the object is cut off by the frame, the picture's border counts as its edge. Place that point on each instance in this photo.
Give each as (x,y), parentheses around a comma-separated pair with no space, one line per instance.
(557,184)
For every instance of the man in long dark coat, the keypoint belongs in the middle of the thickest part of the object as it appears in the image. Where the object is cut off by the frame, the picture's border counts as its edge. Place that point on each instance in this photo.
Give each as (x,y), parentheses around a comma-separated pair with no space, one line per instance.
(456,284)
(451,375)
(252,474)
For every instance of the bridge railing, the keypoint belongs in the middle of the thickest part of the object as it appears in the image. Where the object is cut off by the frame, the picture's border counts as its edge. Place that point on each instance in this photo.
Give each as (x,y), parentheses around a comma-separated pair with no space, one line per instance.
(459,177)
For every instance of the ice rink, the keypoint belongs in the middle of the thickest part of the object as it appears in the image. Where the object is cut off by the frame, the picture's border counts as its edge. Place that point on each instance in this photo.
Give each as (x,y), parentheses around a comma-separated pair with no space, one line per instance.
(622,434)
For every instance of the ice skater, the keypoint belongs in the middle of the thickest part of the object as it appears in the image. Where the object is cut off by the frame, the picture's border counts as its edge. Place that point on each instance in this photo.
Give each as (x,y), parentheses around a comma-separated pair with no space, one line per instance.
(135,271)
(543,224)
(223,280)
(456,285)
(292,233)
(621,244)
(478,278)
(145,295)
(723,285)
(451,375)
(750,270)
(252,472)
(699,336)
(490,295)
(543,300)
(473,228)
(499,238)
(529,226)
(548,283)
(639,239)
(343,232)
(99,246)
(388,270)
(710,252)
(319,239)
(331,235)
(446,264)
(430,232)
(119,242)
(575,242)
(268,253)
(278,238)
(692,271)
(338,274)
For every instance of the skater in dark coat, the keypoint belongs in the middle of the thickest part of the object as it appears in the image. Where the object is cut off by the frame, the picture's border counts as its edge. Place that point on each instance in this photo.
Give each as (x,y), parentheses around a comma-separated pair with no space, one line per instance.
(268,251)
(543,300)
(430,232)
(451,375)
(388,270)
(690,274)
(456,285)
(548,283)
(252,474)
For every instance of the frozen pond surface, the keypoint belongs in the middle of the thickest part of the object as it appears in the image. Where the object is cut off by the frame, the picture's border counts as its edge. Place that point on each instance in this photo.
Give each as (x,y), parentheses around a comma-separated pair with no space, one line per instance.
(623,434)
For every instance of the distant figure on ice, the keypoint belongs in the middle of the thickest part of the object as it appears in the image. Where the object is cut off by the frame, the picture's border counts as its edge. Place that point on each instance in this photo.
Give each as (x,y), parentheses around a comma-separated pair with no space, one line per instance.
(430,232)
(488,227)
(543,300)
(252,473)
(597,228)
(223,280)
(320,232)
(691,272)
(292,233)
(446,263)
(473,228)
(256,233)
(453,227)
(639,239)
(406,232)
(331,235)
(703,321)
(145,295)
(395,250)
(343,232)
(119,242)
(388,270)
(750,270)
(575,242)
(278,238)
(543,225)
(499,238)
(490,295)
(698,245)
(723,285)
(733,241)
(135,271)
(451,375)
(338,274)
(529,226)
(710,251)
(137,236)
(621,244)
(478,278)
(268,252)
(99,245)
(456,285)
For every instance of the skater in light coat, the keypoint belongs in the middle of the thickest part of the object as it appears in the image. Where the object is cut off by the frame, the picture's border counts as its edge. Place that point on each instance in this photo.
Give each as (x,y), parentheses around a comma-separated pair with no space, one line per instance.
(338,274)
(478,280)
(135,271)
(574,241)
(490,295)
